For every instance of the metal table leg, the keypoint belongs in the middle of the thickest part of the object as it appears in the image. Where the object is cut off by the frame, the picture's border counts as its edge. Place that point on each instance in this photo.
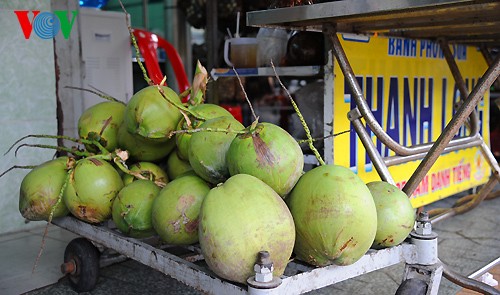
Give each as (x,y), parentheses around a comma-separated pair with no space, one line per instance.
(462,113)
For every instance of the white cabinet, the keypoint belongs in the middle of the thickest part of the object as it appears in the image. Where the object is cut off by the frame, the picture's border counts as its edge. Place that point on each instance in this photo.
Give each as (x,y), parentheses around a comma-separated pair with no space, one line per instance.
(106,55)
(96,55)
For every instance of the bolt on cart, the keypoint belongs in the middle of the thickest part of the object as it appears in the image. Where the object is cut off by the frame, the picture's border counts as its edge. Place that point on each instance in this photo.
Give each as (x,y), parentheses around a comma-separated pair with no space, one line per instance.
(408,30)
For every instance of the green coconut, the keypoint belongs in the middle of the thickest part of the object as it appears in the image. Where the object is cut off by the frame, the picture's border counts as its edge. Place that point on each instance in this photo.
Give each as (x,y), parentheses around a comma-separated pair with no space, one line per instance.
(240,218)
(207,111)
(93,185)
(269,153)
(207,150)
(176,166)
(335,216)
(40,190)
(395,214)
(150,115)
(149,170)
(176,210)
(132,207)
(100,123)
(141,149)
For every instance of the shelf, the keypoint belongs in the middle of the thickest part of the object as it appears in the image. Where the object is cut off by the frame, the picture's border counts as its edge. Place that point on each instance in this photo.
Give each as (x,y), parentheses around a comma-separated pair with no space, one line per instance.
(465,22)
(267,71)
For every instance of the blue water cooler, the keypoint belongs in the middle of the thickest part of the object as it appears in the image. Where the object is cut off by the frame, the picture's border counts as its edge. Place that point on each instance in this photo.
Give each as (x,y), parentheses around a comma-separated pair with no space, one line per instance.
(93,3)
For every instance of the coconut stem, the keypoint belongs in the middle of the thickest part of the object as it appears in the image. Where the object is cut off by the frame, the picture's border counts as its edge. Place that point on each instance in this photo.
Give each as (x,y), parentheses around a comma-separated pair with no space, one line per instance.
(102,149)
(324,137)
(180,106)
(49,221)
(186,118)
(17,167)
(196,130)
(136,47)
(137,174)
(75,140)
(246,96)
(98,93)
(73,151)
(42,136)
(301,118)
(185,93)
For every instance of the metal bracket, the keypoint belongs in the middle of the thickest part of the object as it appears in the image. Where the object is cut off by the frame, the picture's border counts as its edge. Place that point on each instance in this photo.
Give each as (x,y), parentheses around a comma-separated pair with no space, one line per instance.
(430,274)
(354,114)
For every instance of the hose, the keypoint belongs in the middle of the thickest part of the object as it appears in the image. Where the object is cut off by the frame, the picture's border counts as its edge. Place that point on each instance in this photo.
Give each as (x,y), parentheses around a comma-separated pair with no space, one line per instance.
(468,283)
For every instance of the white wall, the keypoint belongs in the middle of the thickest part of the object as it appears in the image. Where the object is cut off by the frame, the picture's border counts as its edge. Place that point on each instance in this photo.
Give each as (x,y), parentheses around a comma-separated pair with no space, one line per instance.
(27,104)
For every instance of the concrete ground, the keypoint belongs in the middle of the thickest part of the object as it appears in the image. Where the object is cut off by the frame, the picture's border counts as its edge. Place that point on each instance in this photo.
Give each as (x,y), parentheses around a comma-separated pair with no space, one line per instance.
(466,243)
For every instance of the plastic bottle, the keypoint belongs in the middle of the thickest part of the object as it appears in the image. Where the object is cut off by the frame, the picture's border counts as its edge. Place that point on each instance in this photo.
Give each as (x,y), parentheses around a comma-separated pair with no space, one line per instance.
(271,45)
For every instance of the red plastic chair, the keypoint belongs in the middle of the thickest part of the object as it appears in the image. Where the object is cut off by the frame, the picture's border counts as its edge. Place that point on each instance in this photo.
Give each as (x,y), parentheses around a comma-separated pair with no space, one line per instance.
(235,110)
(148,44)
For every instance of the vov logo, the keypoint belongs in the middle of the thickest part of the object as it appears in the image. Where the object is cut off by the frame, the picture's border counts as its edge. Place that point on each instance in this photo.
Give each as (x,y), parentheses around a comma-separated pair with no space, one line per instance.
(46,24)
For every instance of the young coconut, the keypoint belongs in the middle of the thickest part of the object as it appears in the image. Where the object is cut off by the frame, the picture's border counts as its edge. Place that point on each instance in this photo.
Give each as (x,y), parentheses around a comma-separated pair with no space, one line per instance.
(240,218)
(141,149)
(269,153)
(208,111)
(395,214)
(41,190)
(93,184)
(207,149)
(177,208)
(100,123)
(146,170)
(335,216)
(176,166)
(132,207)
(149,115)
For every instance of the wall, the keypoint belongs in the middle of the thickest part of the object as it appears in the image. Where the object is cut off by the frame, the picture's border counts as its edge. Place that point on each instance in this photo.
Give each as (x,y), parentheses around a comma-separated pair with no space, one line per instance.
(28,104)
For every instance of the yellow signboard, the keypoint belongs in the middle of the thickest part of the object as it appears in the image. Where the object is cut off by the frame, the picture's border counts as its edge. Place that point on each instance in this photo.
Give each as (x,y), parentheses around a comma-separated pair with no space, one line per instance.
(412,93)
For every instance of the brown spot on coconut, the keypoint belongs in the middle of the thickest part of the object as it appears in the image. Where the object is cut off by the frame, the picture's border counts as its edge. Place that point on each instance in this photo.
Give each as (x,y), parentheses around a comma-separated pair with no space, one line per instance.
(93,187)
(270,154)
(177,208)
(395,214)
(40,190)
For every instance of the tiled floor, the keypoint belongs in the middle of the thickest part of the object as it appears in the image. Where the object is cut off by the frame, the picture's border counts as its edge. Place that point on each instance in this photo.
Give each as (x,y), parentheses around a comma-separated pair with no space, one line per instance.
(18,255)
(466,243)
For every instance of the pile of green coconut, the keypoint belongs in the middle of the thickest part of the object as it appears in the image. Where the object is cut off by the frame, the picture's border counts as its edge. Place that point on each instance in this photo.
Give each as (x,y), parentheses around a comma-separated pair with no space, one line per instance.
(190,173)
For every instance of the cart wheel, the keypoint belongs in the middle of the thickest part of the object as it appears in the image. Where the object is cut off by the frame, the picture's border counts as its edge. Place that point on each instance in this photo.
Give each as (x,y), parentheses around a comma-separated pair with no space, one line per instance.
(81,264)
(412,287)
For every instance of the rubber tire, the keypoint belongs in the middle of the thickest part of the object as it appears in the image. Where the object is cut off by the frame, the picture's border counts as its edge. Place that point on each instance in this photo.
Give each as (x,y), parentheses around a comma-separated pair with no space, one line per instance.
(412,287)
(86,257)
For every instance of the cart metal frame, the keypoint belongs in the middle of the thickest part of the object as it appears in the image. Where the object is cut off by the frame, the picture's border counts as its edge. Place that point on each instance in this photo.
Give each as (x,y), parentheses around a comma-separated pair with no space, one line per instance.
(467,22)
(447,21)
(301,277)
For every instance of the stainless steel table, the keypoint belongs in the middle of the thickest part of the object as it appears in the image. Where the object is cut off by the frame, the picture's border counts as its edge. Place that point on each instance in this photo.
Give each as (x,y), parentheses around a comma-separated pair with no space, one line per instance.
(447,22)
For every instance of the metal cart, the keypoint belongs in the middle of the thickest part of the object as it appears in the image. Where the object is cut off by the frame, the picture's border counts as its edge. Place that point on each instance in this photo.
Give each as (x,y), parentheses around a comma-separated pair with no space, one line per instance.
(464,22)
